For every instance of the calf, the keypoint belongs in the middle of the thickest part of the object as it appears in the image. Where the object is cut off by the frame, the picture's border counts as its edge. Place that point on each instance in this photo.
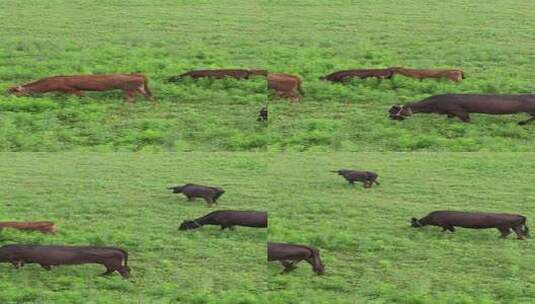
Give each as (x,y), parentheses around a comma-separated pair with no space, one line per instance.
(112,258)
(366,177)
(228,219)
(448,220)
(341,76)
(461,105)
(263,114)
(130,84)
(191,191)
(286,86)
(220,73)
(289,255)
(45,227)
(454,75)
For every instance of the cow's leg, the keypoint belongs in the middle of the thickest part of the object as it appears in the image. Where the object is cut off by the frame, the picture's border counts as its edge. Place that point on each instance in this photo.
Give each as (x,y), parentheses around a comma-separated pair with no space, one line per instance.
(525,122)
(448,227)
(109,270)
(289,266)
(519,232)
(462,115)
(367,184)
(189,198)
(505,231)
(129,95)
(47,267)
(147,95)
(17,264)
(451,116)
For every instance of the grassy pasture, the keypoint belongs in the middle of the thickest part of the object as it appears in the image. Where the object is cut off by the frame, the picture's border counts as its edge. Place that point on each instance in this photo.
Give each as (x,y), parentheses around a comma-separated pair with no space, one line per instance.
(370,253)
(121,200)
(491,41)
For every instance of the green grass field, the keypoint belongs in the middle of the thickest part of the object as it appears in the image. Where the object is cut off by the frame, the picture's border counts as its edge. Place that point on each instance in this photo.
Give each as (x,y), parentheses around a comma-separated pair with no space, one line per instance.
(491,41)
(370,253)
(121,200)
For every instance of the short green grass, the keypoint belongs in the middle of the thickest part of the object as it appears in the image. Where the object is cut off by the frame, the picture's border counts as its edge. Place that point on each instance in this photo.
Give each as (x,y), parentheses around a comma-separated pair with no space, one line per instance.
(370,253)
(491,41)
(121,200)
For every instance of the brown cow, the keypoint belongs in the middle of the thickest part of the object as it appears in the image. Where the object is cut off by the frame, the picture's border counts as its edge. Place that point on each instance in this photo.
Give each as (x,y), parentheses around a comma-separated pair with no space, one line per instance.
(290,254)
(285,85)
(455,75)
(45,227)
(220,73)
(130,84)
(341,76)
(114,259)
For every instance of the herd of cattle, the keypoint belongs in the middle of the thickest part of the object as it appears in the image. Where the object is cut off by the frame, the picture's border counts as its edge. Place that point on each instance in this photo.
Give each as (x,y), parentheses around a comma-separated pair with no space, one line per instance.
(289,255)
(290,86)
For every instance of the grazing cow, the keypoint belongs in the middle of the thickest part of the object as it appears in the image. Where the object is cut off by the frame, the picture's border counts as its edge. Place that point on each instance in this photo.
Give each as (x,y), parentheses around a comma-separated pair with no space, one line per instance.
(341,76)
(286,86)
(209,194)
(454,75)
(221,73)
(130,84)
(46,256)
(45,227)
(263,114)
(475,220)
(366,177)
(461,105)
(289,255)
(228,219)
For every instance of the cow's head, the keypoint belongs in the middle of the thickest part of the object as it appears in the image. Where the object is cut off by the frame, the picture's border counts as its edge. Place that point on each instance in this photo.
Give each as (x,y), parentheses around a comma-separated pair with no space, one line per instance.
(176,189)
(187,225)
(415,223)
(399,112)
(17,90)
(258,72)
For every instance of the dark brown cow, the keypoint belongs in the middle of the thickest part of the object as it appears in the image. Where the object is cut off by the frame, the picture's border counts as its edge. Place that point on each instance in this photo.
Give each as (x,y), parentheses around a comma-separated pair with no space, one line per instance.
(289,255)
(341,76)
(45,227)
(228,219)
(220,73)
(263,114)
(46,256)
(130,84)
(475,220)
(352,176)
(191,191)
(286,86)
(454,75)
(461,105)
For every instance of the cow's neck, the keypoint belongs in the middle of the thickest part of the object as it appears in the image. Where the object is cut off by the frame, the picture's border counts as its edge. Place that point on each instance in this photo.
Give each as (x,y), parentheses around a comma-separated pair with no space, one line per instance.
(419,107)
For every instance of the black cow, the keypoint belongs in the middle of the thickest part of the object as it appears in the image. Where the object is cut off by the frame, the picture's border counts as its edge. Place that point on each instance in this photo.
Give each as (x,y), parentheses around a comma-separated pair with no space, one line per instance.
(352,176)
(228,219)
(46,256)
(461,105)
(448,220)
(289,255)
(191,191)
